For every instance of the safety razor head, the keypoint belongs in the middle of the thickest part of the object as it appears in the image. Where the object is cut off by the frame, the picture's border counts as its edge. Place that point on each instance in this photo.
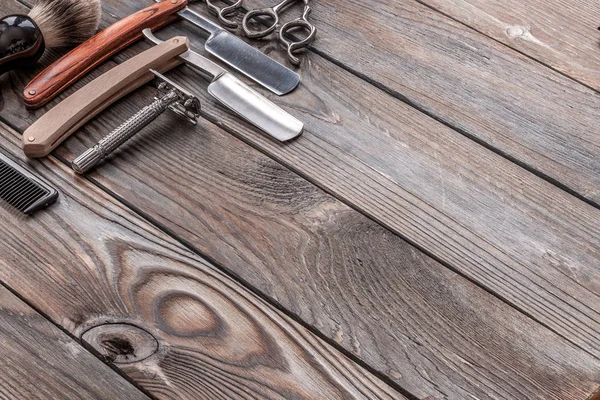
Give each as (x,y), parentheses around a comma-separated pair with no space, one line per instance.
(188,105)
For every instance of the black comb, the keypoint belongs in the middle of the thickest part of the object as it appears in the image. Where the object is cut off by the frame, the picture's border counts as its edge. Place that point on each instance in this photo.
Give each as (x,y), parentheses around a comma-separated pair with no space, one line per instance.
(22,189)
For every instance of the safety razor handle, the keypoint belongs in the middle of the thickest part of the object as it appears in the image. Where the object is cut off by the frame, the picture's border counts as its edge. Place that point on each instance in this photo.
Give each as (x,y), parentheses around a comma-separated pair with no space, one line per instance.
(85,57)
(123,133)
(61,121)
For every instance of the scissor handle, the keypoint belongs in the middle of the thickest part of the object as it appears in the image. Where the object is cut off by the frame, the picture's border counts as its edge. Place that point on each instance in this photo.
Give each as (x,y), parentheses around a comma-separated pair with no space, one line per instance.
(296,45)
(270,13)
(223,13)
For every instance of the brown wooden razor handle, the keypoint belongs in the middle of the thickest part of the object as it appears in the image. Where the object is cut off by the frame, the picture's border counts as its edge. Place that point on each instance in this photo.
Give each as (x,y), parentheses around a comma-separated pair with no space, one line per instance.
(79,61)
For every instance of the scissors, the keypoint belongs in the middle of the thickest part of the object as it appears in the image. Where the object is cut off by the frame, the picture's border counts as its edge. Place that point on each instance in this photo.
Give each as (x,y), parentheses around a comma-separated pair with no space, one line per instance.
(224,12)
(272,13)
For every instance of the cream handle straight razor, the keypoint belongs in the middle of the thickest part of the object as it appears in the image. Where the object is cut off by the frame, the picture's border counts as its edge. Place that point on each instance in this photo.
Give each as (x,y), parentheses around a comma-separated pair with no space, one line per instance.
(241,99)
(69,115)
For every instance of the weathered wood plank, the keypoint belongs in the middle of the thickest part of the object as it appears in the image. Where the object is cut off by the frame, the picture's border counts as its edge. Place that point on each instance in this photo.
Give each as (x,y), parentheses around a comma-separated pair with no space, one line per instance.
(333,290)
(512,232)
(38,361)
(429,329)
(164,316)
(511,103)
(432,331)
(558,33)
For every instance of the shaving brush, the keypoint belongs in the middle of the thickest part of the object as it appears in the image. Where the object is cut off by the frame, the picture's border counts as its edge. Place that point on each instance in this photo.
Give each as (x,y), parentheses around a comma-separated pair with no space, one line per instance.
(50,23)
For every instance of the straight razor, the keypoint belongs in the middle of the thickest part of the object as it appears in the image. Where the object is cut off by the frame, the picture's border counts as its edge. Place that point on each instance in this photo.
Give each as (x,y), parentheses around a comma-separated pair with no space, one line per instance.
(240,98)
(243,57)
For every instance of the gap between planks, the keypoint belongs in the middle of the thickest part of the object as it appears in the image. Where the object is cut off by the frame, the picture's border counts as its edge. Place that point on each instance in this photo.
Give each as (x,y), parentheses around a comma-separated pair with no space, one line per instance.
(46,353)
(330,370)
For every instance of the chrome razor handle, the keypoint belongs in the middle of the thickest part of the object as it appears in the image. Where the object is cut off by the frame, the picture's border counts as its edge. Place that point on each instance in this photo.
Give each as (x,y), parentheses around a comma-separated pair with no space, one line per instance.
(123,133)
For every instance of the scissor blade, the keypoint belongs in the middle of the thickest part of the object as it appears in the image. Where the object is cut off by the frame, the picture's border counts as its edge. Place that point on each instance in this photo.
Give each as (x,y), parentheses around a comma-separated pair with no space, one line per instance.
(255,108)
(243,57)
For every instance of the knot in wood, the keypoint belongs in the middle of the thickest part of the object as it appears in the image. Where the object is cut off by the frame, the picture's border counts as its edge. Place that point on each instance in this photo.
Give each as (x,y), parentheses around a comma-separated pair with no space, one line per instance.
(517,31)
(121,343)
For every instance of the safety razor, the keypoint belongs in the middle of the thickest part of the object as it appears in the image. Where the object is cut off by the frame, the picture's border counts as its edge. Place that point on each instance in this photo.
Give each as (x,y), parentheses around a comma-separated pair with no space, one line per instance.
(170,96)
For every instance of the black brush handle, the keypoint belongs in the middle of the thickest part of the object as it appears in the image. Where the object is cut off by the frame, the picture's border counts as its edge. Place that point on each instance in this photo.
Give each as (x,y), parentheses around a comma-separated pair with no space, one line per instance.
(21,42)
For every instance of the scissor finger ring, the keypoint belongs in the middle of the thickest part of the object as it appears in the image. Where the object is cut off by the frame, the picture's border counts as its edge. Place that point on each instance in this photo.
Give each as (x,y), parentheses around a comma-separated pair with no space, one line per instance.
(223,12)
(272,13)
(295,45)
(265,12)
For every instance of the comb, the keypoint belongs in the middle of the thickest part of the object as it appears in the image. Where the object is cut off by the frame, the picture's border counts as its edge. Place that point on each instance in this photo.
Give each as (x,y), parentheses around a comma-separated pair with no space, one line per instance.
(22,189)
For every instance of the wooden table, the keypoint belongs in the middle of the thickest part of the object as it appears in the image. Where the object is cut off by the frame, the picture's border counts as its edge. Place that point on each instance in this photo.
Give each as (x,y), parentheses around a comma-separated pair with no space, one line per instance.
(434,234)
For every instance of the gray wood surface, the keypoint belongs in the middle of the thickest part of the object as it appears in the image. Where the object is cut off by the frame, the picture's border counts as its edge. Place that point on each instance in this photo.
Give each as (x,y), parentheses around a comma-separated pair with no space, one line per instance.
(513,233)
(513,104)
(412,319)
(38,361)
(168,319)
(561,34)
(321,260)
(461,351)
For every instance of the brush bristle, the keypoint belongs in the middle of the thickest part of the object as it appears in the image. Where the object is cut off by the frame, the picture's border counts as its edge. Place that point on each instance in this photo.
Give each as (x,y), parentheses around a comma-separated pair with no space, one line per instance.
(66,22)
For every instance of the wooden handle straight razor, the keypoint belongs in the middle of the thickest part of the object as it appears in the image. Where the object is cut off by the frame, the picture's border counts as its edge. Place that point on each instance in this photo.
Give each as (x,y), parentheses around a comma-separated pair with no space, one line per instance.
(69,115)
(78,62)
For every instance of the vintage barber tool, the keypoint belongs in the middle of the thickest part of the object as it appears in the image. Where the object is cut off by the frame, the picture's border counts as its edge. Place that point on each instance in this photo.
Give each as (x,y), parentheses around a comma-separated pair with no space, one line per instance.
(294,45)
(243,57)
(69,115)
(50,23)
(66,117)
(172,96)
(272,15)
(22,189)
(241,99)
(222,13)
(118,36)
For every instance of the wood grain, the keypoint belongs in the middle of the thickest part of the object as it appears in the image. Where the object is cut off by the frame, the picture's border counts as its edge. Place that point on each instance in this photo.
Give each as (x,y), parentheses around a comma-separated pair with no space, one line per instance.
(513,233)
(88,55)
(90,263)
(514,105)
(323,261)
(558,33)
(353,280)
(38,361)
(426,327)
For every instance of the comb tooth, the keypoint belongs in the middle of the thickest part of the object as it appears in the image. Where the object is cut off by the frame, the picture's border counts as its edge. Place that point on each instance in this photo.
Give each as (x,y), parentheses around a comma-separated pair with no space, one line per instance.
(8,177)
(18,184)
(21,189)
(27,190)
(26,196)
(17,193)
(15,189)
(29,197)
(11,198)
